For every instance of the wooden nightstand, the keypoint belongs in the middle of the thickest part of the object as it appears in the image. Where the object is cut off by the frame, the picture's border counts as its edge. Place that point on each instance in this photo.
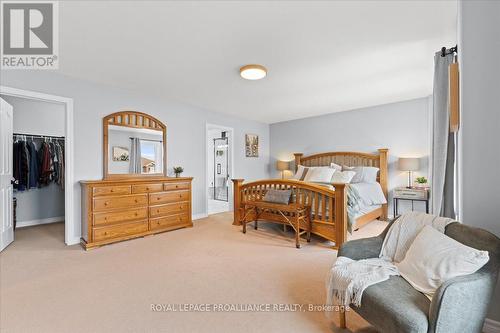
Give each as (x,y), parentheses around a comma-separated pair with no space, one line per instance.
(410,194)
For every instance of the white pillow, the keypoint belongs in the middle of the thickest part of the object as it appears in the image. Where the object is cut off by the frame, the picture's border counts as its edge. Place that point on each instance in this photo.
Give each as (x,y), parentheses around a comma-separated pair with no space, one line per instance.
(319,175)
(434,258)
(299,175)
(344,177)
(363,174)
(336,166)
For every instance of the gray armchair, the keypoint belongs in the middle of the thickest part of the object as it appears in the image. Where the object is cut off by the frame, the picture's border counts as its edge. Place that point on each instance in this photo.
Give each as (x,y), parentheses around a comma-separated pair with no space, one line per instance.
(459,305)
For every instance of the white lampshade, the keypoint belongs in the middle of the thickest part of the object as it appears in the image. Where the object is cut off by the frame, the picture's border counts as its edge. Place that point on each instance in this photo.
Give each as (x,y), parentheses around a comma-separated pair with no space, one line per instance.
(409,164)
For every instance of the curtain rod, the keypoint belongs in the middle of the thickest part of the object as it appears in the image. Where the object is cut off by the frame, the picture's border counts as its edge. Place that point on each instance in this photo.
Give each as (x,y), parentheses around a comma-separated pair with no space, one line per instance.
(451,50)
(38,136)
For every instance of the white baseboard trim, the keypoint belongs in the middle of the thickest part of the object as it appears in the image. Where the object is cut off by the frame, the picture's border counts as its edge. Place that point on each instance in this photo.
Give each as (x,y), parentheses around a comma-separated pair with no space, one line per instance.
(199,216)
(22,224)
(491,326)
(73,241)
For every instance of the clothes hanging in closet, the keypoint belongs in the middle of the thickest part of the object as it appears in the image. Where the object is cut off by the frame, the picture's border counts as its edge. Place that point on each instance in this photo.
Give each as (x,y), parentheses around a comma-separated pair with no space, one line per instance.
(35,168)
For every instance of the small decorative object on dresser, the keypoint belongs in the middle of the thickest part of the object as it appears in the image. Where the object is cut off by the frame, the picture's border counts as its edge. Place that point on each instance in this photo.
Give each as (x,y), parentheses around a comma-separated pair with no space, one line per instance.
(410,194)
(178,170)
(251,145)
(133,202)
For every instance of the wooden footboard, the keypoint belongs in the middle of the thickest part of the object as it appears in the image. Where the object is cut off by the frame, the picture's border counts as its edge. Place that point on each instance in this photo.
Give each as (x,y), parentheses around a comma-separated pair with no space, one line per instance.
(328,206)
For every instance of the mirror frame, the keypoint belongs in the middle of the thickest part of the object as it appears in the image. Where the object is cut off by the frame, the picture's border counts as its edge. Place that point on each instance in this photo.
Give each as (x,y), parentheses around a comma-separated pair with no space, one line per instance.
(133,119)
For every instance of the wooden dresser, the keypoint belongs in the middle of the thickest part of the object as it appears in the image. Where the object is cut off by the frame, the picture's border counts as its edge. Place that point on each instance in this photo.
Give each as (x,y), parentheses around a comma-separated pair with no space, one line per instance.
(117,210)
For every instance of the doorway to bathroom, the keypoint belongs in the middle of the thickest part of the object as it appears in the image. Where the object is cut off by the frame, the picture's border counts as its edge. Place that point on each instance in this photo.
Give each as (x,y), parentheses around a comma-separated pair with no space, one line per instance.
(219,168)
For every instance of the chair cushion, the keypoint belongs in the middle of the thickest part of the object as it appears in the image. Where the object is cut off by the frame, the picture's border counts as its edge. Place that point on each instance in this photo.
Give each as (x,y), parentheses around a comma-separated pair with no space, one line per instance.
(395,306)
(278,196)
(434,258)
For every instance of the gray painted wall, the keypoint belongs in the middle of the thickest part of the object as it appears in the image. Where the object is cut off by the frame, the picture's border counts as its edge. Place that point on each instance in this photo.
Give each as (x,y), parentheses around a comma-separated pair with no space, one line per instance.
(186,126)
(402,127)
(479,46)
(38,117)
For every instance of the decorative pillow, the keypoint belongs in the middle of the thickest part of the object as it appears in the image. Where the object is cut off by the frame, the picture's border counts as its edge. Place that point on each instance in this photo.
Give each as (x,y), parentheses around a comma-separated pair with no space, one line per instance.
(363,174)
(336,166)
(343,176)
(278,196)
(319,175)
(301,173)
(433,258)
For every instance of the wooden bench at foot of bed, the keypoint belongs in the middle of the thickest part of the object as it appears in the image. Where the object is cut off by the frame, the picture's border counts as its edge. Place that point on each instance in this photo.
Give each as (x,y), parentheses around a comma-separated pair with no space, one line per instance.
(320,200)
(297,216)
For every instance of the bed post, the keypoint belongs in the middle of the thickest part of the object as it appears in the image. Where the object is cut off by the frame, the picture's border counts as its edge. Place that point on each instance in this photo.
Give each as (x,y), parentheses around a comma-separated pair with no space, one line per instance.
(383,179)
(237,200)
(298,156)
(340,214)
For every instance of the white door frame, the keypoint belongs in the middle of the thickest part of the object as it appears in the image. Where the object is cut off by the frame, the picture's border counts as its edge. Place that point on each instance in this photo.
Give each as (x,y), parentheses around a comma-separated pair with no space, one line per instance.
(70,237)
(231,173)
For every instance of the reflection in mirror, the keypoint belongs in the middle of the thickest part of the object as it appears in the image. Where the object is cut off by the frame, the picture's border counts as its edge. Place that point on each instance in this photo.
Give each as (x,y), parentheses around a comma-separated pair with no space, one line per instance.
(134,150)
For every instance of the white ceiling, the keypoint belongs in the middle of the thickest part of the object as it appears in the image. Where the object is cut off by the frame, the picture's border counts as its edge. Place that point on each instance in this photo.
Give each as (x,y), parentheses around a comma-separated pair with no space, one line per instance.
(322,56)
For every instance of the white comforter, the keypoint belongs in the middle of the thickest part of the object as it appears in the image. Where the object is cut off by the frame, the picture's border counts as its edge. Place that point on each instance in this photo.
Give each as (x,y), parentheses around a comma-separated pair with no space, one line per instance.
(370,193)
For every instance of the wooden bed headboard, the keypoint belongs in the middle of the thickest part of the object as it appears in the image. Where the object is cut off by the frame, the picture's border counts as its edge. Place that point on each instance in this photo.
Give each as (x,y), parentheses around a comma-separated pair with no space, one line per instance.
(351,159)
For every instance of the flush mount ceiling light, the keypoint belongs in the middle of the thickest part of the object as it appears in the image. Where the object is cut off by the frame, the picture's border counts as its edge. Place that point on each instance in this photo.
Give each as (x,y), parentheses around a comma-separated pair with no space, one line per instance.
(253,72)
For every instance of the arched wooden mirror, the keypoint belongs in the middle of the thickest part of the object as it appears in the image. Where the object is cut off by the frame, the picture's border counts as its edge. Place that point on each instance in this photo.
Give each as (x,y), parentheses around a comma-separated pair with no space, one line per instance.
(134,145)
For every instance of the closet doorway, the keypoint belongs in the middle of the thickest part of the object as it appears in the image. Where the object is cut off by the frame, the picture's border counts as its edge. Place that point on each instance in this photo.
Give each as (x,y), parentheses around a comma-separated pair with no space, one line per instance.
(37,148)
(219,140)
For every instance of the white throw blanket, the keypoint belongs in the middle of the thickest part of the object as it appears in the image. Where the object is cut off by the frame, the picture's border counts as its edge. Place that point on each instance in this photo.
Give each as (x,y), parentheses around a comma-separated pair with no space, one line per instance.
(348,278)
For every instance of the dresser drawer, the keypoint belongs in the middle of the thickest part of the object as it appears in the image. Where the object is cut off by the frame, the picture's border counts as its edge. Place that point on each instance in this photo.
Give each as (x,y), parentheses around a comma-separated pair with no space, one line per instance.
(120,230)
(120,202)
(120,216)
(175,186)
(147,188)
(111,190)
(168,197)
(169,209)
(169,221)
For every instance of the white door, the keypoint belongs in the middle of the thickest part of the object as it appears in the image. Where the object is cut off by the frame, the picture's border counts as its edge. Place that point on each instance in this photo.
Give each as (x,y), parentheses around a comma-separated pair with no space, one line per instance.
(6,225)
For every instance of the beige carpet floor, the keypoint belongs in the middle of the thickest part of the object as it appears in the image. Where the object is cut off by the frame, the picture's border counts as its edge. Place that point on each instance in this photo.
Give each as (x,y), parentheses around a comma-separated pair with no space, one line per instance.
(46,286)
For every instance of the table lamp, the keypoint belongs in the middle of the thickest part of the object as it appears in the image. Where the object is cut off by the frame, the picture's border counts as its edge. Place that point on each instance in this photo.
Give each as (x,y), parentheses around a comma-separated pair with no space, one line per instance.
(409,164)
(282,166)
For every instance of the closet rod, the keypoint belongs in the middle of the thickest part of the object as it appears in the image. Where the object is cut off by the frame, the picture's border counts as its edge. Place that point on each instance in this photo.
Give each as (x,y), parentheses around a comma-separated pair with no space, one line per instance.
(38,136)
